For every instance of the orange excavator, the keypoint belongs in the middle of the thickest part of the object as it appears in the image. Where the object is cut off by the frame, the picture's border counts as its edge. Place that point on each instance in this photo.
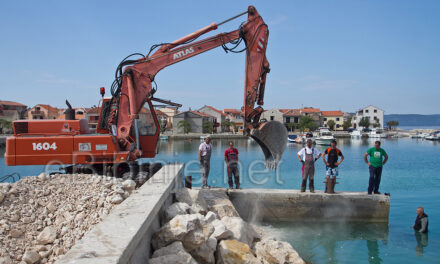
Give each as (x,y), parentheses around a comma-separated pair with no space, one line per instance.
(126,131)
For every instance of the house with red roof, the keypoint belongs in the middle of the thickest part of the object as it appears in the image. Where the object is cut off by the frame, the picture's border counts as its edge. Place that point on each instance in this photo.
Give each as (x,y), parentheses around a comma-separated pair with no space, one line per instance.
(219,116)
(235,116)
(11,111)
(195,119)
(336,116)
(43,111)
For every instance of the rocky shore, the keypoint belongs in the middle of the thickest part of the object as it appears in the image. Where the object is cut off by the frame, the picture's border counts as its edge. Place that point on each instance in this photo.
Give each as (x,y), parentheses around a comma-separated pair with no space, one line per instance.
(42,217)
(203,226)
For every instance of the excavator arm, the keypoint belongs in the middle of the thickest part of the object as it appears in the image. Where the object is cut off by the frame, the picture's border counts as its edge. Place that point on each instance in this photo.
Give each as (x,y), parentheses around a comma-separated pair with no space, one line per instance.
(134,78)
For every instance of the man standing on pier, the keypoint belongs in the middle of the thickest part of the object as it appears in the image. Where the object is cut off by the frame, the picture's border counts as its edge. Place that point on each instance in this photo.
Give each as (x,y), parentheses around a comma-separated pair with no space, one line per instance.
(378,158)
(231,159)
(307,156)
(205,150)
(332,164)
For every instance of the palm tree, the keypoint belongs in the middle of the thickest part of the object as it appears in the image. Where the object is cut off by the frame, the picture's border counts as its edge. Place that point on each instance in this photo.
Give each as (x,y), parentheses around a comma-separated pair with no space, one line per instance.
(185,126)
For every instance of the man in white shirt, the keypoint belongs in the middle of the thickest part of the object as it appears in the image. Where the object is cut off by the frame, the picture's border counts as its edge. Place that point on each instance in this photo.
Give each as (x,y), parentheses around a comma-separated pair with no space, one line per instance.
(205,150)
(307,156)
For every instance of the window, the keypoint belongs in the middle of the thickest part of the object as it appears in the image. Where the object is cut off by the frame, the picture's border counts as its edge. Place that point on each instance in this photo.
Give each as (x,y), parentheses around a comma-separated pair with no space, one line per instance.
(325,118)
(37,108)
(366,111)
(146,123)
(287,119)
(338,126)
(375,110)
(337,118)
(375,118)
(272,118)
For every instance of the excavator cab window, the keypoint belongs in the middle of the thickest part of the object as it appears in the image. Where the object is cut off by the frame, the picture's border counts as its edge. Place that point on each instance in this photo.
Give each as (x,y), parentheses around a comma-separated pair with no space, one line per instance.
(147,123)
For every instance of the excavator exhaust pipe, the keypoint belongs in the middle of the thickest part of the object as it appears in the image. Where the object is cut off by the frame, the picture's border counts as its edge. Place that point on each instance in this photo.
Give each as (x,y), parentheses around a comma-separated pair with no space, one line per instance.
(272,138)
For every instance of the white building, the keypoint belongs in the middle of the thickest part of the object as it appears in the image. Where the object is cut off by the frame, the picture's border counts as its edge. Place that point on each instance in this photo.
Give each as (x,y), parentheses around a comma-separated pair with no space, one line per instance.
(373,113)
(219,116)
(272,115)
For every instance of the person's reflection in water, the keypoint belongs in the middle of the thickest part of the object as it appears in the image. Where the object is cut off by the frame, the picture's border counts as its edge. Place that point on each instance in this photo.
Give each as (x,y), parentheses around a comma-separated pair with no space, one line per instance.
(373,252)
(422,242)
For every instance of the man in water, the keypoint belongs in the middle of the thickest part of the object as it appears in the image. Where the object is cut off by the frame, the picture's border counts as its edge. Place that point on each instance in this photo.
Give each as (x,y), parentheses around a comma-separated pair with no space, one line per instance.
(332,164)
(231,159)
(205,150)
(378,158)
(421,223)
(307,156)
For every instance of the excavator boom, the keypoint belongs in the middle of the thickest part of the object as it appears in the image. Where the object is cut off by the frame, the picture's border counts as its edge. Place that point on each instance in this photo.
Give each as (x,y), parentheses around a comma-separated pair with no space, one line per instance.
(126,129)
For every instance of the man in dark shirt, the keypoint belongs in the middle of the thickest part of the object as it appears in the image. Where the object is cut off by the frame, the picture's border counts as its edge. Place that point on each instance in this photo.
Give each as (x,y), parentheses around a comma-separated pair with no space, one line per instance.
(231,159)
(332,164)
(421,223)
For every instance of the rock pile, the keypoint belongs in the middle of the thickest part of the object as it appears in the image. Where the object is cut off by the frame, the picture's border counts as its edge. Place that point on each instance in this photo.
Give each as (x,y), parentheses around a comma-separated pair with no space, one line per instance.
(42,217)
(203,226)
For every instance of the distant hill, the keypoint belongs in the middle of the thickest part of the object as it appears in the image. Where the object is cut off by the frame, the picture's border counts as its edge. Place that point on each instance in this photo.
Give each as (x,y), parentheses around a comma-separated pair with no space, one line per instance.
(414,120)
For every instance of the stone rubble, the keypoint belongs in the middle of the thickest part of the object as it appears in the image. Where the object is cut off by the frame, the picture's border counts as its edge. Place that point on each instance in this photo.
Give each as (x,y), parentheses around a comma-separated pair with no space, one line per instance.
(203,226)
(42,217)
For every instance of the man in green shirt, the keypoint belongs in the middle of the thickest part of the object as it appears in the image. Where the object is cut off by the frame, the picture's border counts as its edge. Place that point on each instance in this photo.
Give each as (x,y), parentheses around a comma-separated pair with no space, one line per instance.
(378,158)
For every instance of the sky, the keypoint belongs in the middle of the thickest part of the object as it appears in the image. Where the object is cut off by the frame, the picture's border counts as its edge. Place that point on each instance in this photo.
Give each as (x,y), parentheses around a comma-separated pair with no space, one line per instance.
(333,55)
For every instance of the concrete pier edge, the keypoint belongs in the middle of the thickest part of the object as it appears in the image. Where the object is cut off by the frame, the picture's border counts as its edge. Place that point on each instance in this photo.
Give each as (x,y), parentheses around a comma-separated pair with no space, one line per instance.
(124,236)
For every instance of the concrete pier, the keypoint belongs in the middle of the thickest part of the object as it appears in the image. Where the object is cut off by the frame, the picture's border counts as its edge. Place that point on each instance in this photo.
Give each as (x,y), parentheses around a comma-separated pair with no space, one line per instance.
(292,205)
(124,236)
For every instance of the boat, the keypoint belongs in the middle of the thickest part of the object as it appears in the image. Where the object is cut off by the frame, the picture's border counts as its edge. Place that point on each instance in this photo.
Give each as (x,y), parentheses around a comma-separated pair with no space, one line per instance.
(292,138)
(356,134)
(376,133)
(325,137)
(433,136)
(164,138)
(303,138)
(420,135)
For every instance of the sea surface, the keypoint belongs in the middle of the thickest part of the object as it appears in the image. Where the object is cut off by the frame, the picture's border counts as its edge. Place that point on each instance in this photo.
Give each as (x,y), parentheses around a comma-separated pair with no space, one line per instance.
(412,177)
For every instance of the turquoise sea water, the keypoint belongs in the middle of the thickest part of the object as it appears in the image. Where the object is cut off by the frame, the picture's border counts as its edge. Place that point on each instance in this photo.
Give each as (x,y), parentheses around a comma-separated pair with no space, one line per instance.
(411,176)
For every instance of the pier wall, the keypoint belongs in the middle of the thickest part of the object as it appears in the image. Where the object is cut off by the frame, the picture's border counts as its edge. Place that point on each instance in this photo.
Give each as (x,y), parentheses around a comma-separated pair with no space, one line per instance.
(292,205)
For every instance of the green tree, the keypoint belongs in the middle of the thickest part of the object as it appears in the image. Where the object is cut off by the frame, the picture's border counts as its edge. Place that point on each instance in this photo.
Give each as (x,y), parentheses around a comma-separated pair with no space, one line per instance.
(377,123)
(392,124)
(208,127)
(331,124)
(347,123)
(184,125)
(365,122)
(226,126)
(235,127)
(5,125)
(306,122)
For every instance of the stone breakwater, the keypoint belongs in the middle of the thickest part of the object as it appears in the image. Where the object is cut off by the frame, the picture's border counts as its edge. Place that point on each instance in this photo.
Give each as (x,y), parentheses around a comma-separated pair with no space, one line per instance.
(42,217)
(203,226)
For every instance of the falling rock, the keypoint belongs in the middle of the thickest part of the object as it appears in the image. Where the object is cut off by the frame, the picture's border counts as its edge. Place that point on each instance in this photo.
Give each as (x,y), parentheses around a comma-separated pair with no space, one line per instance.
(241,230)
(205,253)
(116,199)
(5,260)
(176,209)
(192,198)
(277,252)
(47,236)
(31,257)
(220,230)
(235,252)
(129,185)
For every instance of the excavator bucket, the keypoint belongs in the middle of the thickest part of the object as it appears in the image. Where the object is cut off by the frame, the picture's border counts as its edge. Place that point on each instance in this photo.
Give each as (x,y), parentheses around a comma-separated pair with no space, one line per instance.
(272,138)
